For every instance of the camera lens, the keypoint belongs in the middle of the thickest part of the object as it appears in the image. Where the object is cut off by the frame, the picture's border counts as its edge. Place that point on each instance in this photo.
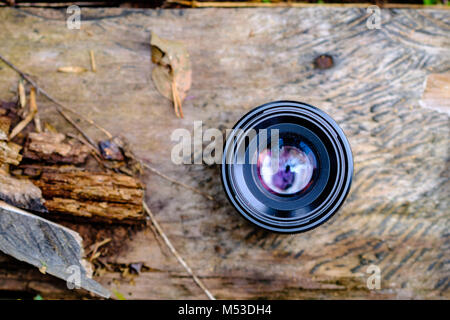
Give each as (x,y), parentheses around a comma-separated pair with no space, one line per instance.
(287,166)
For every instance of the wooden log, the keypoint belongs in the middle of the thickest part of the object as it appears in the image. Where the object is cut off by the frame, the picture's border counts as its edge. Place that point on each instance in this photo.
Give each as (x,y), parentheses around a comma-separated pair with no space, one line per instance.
(50,147)
(97,196)
(48,246)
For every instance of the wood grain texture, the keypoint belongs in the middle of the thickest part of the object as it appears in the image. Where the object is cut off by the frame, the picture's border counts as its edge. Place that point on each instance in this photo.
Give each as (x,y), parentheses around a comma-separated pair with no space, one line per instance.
(51,148)
(97,196)
(397,214)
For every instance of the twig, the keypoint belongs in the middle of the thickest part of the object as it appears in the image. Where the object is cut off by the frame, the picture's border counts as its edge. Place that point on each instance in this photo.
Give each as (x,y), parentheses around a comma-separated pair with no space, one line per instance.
(76,126)
(175,253)
(93,65)
(83,141)
(59,105)
(95,248)
(29,117)
(209,197)
(174,98)
(33,106)
(22,94)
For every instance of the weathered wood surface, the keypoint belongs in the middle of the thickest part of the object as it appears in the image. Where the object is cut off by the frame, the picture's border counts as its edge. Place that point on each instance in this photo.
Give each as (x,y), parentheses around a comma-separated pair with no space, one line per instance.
(48,246)
(397,214)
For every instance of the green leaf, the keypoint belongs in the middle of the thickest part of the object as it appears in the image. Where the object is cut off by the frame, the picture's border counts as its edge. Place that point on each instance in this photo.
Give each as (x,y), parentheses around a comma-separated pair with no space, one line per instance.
(119,295)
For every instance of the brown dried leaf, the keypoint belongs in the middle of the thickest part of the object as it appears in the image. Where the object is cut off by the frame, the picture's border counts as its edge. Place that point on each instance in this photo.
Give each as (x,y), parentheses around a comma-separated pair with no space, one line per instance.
(172,74)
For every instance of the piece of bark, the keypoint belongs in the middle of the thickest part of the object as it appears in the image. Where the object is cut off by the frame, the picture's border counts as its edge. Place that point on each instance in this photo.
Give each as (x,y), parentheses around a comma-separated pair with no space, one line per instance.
(97,196)
(46,245)
(51,148)
(9,153)
(97,211)
(34,170)
(5,124)
(21,193)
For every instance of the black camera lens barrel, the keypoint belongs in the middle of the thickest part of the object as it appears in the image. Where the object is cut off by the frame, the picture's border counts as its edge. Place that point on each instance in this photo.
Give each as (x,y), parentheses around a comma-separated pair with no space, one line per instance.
(314,174)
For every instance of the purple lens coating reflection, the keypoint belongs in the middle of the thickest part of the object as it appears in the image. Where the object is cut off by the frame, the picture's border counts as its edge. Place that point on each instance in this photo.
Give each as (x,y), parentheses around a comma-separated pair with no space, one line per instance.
(292,175)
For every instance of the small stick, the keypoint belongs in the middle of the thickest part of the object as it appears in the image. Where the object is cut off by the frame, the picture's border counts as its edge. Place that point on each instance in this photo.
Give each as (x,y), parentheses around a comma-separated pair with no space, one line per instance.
(93,66)
(177,182)
(177,97)
(76,126)
(31,113)
(97,246)
(175,101)
(22,94)
(175,252)
(83,141)
(33,106)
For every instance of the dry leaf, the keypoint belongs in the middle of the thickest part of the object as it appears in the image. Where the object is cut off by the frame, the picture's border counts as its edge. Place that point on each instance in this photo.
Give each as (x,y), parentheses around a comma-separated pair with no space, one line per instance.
(172,74)
(72,69)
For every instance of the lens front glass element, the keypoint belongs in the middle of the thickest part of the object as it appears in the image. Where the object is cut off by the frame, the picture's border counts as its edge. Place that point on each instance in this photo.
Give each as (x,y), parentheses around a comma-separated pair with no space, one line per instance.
(291,174)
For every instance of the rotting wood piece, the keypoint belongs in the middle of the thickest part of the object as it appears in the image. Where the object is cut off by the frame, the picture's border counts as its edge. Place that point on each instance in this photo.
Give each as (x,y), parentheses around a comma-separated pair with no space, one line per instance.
(9,153)
(98,196)
(97,211)
(5,124)
(52,148)
(21,193)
